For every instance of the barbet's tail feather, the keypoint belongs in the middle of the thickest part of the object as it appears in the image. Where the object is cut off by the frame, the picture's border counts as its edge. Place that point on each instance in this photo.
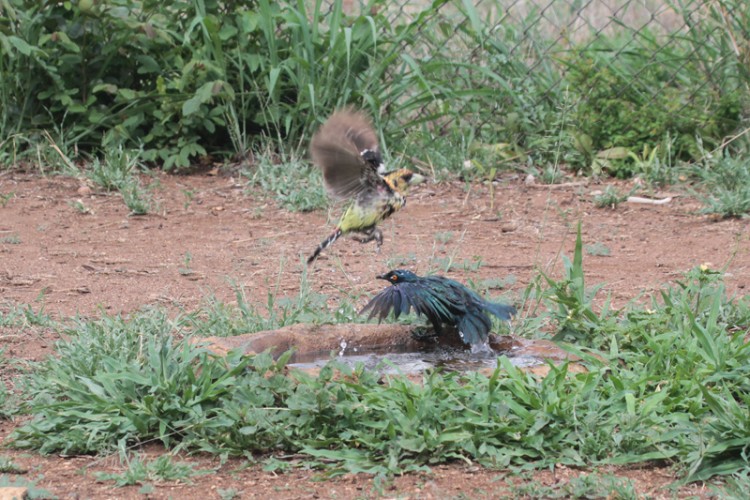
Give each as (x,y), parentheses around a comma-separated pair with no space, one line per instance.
(324,244)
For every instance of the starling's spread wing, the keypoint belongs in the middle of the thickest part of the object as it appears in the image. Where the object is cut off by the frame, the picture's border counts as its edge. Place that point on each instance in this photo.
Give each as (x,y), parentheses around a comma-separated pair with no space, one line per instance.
(392,298)
(346,149)
(401,298)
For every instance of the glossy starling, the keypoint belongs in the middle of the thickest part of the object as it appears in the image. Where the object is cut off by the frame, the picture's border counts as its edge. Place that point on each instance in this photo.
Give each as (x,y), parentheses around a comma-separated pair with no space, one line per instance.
(442,300)
(346,149)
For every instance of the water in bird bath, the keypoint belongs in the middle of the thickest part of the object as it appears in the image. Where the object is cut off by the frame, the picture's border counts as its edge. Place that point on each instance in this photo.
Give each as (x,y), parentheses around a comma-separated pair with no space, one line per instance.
(406,360)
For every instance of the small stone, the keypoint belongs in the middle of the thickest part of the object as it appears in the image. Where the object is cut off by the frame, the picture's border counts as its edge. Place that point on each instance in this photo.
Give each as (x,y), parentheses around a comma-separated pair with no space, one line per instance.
(14,493)
(84,190)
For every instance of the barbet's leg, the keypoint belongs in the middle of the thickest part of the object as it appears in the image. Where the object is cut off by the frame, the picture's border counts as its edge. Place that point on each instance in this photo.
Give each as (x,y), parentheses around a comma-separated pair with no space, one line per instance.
(370,234)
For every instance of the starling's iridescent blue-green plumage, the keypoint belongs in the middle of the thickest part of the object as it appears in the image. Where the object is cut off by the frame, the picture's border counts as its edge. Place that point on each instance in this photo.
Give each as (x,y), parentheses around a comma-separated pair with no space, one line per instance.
(442,300)
(346,149)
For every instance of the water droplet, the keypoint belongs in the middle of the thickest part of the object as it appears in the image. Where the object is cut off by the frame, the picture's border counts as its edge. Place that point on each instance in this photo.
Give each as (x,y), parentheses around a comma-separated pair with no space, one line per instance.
(343,347)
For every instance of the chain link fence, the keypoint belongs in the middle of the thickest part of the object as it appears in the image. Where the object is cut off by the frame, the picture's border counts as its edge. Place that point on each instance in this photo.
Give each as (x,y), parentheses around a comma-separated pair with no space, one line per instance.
(606,67)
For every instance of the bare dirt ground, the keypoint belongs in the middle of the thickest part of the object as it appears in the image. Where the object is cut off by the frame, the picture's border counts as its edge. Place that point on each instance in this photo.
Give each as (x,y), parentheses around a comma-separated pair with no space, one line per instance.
(208,233)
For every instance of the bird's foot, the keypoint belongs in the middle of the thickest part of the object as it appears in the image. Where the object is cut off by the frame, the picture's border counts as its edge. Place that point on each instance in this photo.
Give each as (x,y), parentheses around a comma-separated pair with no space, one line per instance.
(368,235)
(424,334)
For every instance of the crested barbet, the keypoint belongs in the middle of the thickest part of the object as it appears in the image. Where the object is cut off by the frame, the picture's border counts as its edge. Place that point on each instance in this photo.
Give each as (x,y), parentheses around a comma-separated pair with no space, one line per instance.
(442,300)
(346,149)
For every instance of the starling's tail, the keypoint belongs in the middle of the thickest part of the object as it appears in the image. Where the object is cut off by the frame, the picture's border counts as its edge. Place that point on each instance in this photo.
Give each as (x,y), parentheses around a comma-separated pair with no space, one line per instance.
(325,244)
(474,327)
(500,310)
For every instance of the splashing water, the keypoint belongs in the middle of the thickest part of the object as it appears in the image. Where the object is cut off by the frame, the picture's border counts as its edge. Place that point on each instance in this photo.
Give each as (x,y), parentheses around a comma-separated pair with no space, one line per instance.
(397,359)
(483,348)
(343,348)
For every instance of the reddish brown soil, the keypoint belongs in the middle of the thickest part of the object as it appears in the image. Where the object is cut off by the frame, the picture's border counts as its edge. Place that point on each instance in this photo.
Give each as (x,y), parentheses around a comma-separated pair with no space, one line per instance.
(106,261)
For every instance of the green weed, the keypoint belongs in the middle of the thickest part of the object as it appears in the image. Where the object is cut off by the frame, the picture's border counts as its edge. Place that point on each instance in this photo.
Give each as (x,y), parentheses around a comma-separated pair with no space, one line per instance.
(185,269)
(136,198)
(444,237)
(294,184)
(217,318)
(23,316)
(13,239)
(5,198)
(735,485)
(399,261)
(79,207)
(7,466)
(598,249)
(726,187)
(611,197)
(116,171)
(141,471)
(229,493)
(211,79)
(493,283)
(550,174)
(585,486)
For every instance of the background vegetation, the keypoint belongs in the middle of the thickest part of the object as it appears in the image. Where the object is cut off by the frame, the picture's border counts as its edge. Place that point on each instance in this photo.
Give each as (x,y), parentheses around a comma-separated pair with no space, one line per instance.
(181,81)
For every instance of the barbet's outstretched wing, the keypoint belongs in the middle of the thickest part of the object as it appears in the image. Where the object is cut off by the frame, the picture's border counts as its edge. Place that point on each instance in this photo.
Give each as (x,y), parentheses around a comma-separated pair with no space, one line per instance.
(346,149)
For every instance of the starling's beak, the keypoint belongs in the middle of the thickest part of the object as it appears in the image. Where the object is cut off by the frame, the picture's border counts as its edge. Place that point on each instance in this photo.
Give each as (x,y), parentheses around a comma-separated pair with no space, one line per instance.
(382,277)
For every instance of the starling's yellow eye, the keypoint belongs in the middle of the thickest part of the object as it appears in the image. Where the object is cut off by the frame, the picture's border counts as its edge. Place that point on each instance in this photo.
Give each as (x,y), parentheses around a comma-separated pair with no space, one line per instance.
(394,278)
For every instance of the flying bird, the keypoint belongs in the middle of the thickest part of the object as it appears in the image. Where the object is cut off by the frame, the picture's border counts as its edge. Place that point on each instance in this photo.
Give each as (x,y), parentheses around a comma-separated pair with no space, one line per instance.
(346,149)
(442,300)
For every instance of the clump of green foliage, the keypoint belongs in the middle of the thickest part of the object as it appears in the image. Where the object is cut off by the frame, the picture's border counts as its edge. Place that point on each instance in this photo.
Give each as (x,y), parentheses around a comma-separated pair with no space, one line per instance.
(182,80)
(294,184)
(624,102)
(142,471)
(667,381)
(177,79)
(725,186)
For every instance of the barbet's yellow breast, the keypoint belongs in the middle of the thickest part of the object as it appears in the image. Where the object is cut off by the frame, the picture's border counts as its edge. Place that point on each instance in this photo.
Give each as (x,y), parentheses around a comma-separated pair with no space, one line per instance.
(361,216)
(371,208)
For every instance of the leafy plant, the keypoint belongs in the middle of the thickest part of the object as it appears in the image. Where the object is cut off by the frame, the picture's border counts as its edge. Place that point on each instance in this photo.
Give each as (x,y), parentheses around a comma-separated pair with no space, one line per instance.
(586,486)
(5,198)
(13,239)
(136,198)
(7,466)
(610,198)
(79,207)
(726,187)
(116,171)
(23,316)
(295,185)
(598,248)
(666,379)
(141,471)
